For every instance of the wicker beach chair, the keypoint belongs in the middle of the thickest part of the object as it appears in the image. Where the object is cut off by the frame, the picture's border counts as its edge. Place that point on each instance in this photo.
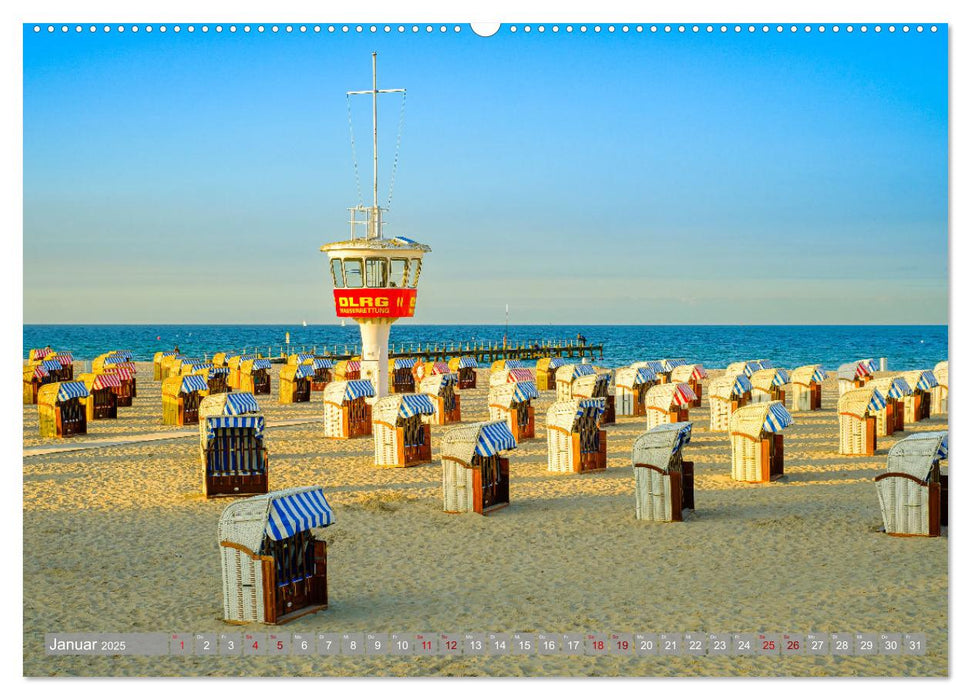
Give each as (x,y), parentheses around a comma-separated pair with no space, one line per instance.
(757,441)
(853,375)
(807,387)
(913,490)
(448,404)
(727,394)
(692,374)
(546,372)
(323,369)
(510,375)
(512,403)
(401,439)
(858,409)
(746,367)
(939,392)
(917,406)
(61,410)
(347,370)
(663,481)
(102,400)
(596,386)
(769,385)
(475,477)
(274,569)
(465,368)
(631,384)
(232,447)
(300,358)
(668,403)
(566,375)
(347,414)
(217,378)
(402,380)
(894,391)
(575,441)
(181,397)
(295,383)
(35,376)
(254,376)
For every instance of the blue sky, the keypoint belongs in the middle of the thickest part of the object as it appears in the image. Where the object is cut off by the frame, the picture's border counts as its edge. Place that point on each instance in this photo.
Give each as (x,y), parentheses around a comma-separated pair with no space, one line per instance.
(580,178)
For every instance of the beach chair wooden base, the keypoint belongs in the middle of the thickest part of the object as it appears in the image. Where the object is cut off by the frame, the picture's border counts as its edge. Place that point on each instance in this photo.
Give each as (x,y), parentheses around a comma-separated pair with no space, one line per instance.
(102,405)
(467,378)
(610,413)
(68,419)
(413,455)
(773,458)
(237,485)
(522,423)
(590,461)
(490,484)
(695,387)
(445,417)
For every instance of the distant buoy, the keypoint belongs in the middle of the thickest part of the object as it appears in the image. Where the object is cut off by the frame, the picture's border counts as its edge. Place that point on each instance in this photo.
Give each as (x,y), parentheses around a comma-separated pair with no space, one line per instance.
(158,337)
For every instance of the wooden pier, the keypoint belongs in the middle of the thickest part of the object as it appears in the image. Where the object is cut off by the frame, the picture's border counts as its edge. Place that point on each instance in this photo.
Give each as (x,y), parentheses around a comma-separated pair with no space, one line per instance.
(485,353)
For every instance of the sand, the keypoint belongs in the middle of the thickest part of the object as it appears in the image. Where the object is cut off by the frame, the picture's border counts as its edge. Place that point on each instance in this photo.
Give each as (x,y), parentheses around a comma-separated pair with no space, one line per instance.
(120,539)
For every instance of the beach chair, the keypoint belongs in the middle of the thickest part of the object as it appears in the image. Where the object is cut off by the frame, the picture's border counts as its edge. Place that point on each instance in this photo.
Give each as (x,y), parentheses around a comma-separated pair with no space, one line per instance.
(858,409)
(219,359)
(663,480)
(575,441)
(181,397)
(448,404)
(401,439)
(939,392)
(692,374)
(631,385)
(894,391)
(546,372)
(512,402)
(566,375)
(727,394)
(102,400)
(807,387)
(295,383)
(274,569)
(217,378)
(38,354)
(746,367)
(235,363)
(769,385)
(597,386)
(300,358)
(347,414)
(402,380)
(61,410)
(66,361)
(170,365)
(667,403)
(506,364)
(475,476)
(126,389)
(913,490)
(35,376)
(667,368)
(510,375)
(322,373)
(917,406)
(232,447)
(757,442)
(853,375)
(465,368)
(254,376)
(157,363)
(347,370)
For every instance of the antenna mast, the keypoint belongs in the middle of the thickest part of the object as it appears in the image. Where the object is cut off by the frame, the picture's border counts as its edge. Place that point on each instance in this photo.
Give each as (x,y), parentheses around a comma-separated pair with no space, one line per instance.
(374,224)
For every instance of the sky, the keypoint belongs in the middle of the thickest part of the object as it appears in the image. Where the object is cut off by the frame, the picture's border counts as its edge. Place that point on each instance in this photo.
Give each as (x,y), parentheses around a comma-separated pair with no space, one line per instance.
(579,178)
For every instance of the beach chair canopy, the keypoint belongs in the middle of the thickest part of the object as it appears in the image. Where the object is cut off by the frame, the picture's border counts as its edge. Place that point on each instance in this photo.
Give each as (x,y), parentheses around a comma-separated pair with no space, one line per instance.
(437,368)
(299,358)
(35,372)
(920,379)
(236,360)
(435,383)
(184,384)
(39,353)
(765,364)
(757,418)
(630,377)
(339,392)
(657,445)
(765,379)
(164,353)
(518,374)
(58,392)
(286,513)
(915,454)
(668,396)
(51,365)
(688,373)
(124,370)
(567,373)
(670,363)
(591,385)
(65,358)
(807,374)
(549,363)
(403,363)
(215,371)
(96,382)
(483,439)
(250,366)
(746,367)
(860,401)
(322,363)
(238,403)
(350,365)
(566,414)
(729,386)
(652,365)
(892,387)
(462,363)
(390,409)
(292,373)
(506,395)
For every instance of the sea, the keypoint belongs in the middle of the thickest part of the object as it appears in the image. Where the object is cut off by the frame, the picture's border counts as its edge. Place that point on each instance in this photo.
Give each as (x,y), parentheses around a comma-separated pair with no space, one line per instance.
(905,347)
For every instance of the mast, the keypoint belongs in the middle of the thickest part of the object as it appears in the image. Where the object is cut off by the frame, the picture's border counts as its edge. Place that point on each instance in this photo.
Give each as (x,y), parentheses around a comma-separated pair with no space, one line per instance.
(374,225)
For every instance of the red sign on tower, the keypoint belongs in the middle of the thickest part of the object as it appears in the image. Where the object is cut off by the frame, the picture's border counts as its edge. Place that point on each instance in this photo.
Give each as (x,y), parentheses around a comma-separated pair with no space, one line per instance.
(390,303)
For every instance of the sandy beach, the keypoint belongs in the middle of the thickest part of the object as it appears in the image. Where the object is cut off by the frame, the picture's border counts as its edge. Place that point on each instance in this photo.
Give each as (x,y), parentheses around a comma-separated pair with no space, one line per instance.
(120,539)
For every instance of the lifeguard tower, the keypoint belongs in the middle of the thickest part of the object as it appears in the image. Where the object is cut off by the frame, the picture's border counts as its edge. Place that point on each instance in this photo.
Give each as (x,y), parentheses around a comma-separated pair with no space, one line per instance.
(375,278)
